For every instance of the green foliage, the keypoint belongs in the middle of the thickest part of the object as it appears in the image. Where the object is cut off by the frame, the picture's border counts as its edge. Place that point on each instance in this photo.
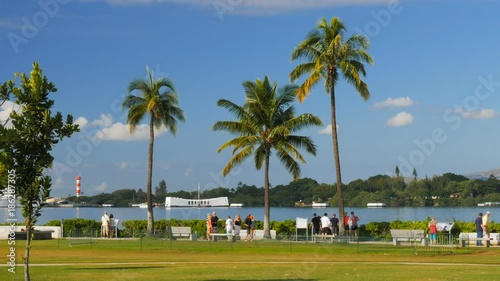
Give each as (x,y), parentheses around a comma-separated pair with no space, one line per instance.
(77,223)
(26,145)
(376,229)
(267,123)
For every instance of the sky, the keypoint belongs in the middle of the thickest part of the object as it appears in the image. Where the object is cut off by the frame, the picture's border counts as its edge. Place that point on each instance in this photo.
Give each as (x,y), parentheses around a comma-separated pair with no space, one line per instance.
(434,85)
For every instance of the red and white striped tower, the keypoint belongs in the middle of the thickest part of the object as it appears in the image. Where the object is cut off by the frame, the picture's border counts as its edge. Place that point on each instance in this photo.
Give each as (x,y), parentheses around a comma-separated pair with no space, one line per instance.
(78,178)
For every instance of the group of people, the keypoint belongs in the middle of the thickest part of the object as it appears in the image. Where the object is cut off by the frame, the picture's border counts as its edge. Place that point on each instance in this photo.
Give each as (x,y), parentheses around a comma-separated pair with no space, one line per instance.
(482,229)
(232,227)
(330,226)
(107,225)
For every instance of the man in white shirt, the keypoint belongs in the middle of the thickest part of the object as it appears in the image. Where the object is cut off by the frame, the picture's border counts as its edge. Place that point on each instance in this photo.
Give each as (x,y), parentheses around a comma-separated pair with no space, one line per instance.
(105,225)
(325,224)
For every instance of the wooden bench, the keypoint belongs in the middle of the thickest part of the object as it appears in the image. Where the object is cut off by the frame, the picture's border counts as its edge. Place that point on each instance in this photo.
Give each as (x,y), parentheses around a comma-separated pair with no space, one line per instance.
(317,237)
(181,232)
(407,235)
(465,238)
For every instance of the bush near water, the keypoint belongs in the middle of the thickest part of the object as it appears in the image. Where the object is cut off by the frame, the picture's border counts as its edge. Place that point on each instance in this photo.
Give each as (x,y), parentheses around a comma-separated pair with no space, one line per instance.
(284,229)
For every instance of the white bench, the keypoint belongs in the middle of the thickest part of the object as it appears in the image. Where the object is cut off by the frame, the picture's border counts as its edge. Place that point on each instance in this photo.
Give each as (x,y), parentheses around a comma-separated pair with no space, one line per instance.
(258,234)
(407,235)
(182,232)
(465,238)
(230,237)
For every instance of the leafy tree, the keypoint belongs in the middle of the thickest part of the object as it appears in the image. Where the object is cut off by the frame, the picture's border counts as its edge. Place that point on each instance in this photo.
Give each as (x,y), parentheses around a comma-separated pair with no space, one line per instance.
(397,171)
(28,142)
(161,190)
(158,99)
(265,122)
(327,56)
(414,174)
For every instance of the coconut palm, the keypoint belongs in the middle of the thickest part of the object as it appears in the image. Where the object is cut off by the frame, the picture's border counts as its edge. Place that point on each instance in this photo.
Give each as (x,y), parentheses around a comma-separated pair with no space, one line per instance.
(158,99)
(327,55)
(264,123)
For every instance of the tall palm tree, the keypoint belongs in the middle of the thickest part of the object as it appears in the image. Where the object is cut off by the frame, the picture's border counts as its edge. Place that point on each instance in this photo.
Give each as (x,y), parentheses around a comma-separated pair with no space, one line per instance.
(327,55)
(158,99)
(267,121)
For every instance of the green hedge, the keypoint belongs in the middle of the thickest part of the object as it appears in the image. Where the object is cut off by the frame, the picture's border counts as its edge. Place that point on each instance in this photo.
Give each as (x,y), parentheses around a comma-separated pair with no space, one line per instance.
(376,230)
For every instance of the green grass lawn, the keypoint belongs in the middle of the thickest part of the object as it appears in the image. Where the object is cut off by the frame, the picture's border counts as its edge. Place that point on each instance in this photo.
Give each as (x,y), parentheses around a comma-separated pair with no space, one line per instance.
(157,259)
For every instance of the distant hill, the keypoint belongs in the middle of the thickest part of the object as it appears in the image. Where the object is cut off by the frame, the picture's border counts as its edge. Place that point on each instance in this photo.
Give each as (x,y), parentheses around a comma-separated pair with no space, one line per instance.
(485,174)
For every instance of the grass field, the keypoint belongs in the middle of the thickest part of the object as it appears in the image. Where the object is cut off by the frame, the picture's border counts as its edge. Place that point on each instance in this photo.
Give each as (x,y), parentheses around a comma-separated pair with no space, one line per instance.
(158,259)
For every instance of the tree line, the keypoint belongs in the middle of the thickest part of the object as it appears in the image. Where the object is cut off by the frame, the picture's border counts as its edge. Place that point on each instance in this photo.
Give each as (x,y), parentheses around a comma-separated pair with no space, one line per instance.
(448,189)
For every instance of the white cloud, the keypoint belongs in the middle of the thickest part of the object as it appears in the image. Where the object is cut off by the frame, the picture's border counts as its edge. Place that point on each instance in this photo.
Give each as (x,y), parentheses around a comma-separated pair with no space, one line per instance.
(105,120)
(121,132)
(481,114)
(396,102)
(117,131)
(255,7)
(327,130)
(5,110)
(82,122)
(401,119)
(188,171)
(101,187)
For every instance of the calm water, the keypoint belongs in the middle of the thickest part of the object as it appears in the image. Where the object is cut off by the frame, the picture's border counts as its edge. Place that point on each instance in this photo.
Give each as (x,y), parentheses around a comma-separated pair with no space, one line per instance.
(277,214)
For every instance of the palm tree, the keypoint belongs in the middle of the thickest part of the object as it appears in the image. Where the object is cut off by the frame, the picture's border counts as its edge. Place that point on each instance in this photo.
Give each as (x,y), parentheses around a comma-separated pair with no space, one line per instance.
(266,121)
(327,55)
(158,99)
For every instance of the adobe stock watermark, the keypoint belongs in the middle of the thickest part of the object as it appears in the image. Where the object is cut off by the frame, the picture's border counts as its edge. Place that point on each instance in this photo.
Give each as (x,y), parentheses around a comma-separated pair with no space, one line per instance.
(31,26)
(427,147)
(10,191)
(381,19)
(223,7)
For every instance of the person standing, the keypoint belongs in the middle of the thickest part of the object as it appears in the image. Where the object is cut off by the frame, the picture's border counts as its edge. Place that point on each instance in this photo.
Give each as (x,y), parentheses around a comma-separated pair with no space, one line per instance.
(479,229)
(334,221)
(248,224)
(237,226)
(346,225)
(433,230)
(229,228)
(209,226)
(325,225)
(215,220)
(112,226)
(354,224)
(486,230)
(315,224)
(105,225)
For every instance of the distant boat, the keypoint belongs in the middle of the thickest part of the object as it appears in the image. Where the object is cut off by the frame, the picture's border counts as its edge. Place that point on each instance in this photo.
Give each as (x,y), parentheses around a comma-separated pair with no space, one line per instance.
(236,205)
(107,205)
(320,205)
(375,205)
(488,204)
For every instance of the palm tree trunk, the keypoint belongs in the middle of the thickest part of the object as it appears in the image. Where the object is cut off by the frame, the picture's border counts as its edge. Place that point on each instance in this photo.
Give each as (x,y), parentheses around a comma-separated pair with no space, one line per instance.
(267,231)
(149,197)
(336,158)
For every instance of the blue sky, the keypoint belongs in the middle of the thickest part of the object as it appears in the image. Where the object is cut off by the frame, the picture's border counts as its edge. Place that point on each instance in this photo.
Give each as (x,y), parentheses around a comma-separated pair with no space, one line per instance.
(435,84)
